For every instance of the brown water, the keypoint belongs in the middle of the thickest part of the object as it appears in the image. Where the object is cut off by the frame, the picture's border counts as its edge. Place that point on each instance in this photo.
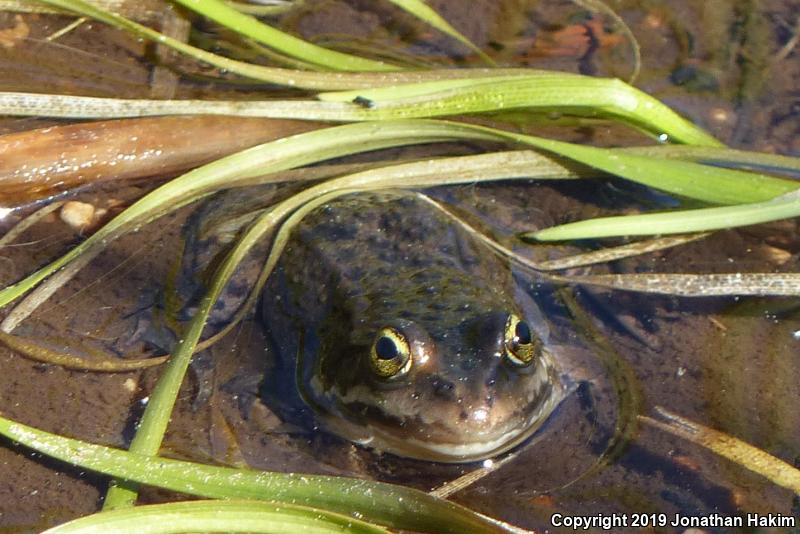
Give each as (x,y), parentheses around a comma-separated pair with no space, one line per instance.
(727,363)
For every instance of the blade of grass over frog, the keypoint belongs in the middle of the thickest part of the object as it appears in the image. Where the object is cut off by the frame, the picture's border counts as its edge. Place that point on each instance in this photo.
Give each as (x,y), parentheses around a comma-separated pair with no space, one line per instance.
(675,222)
(35,351)
(397,506)
(155,419)
(324,81)
(218,516)
(727,446)
(251,27)
(726,157)
(423,11)
(445,171)
(286,153)
(555,91)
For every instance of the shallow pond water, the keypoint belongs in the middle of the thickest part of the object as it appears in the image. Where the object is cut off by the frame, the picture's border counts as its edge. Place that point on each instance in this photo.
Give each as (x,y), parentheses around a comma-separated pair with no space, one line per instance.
(727,363)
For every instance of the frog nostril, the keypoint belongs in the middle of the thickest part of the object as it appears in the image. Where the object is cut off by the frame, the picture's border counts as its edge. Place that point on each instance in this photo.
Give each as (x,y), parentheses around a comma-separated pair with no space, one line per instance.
(443,388)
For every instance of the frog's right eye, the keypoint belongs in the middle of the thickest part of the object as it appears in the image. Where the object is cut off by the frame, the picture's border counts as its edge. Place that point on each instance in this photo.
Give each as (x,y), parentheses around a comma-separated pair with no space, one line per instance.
(390,356)
(522,348)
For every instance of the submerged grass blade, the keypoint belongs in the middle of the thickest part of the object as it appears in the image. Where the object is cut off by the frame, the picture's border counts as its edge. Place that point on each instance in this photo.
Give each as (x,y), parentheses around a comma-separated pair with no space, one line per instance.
(695,285)
(386,504)
(249,26)
(423,11)
(727,446)
(675,222)
(35,351)
(217,516)
(599,6)
(609,254)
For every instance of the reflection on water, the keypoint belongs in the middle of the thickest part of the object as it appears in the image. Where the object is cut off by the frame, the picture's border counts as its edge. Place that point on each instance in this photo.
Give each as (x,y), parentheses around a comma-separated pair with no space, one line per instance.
(727,363)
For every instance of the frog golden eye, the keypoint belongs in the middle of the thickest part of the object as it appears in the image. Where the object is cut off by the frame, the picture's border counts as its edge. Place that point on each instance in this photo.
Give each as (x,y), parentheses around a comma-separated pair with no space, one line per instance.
(390,357)
(521,347)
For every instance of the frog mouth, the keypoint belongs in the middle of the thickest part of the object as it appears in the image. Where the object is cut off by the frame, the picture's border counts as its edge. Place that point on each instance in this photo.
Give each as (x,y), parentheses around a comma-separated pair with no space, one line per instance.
(460,451)
(443,442)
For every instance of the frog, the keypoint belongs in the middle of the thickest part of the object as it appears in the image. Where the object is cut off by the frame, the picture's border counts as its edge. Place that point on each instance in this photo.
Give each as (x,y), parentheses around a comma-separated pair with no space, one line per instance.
(396,329)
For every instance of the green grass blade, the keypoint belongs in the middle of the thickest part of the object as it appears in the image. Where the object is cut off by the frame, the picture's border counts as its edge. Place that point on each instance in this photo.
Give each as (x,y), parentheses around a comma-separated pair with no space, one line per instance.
(676,222)
(156,417)
(386,504)
(567,93)
(251,27)
(217,516)
(685,178)
(423,11)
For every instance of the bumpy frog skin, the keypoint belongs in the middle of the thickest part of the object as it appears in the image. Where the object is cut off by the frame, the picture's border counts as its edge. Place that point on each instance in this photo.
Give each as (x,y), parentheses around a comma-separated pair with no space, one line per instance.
(405,334)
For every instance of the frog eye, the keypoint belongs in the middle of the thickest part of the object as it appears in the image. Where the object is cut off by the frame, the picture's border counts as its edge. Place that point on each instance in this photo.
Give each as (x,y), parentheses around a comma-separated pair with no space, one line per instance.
(521,348)
(390,357)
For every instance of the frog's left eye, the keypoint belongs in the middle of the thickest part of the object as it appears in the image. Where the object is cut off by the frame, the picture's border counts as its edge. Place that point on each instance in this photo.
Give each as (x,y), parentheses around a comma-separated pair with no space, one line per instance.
(390,357)
(521,347)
